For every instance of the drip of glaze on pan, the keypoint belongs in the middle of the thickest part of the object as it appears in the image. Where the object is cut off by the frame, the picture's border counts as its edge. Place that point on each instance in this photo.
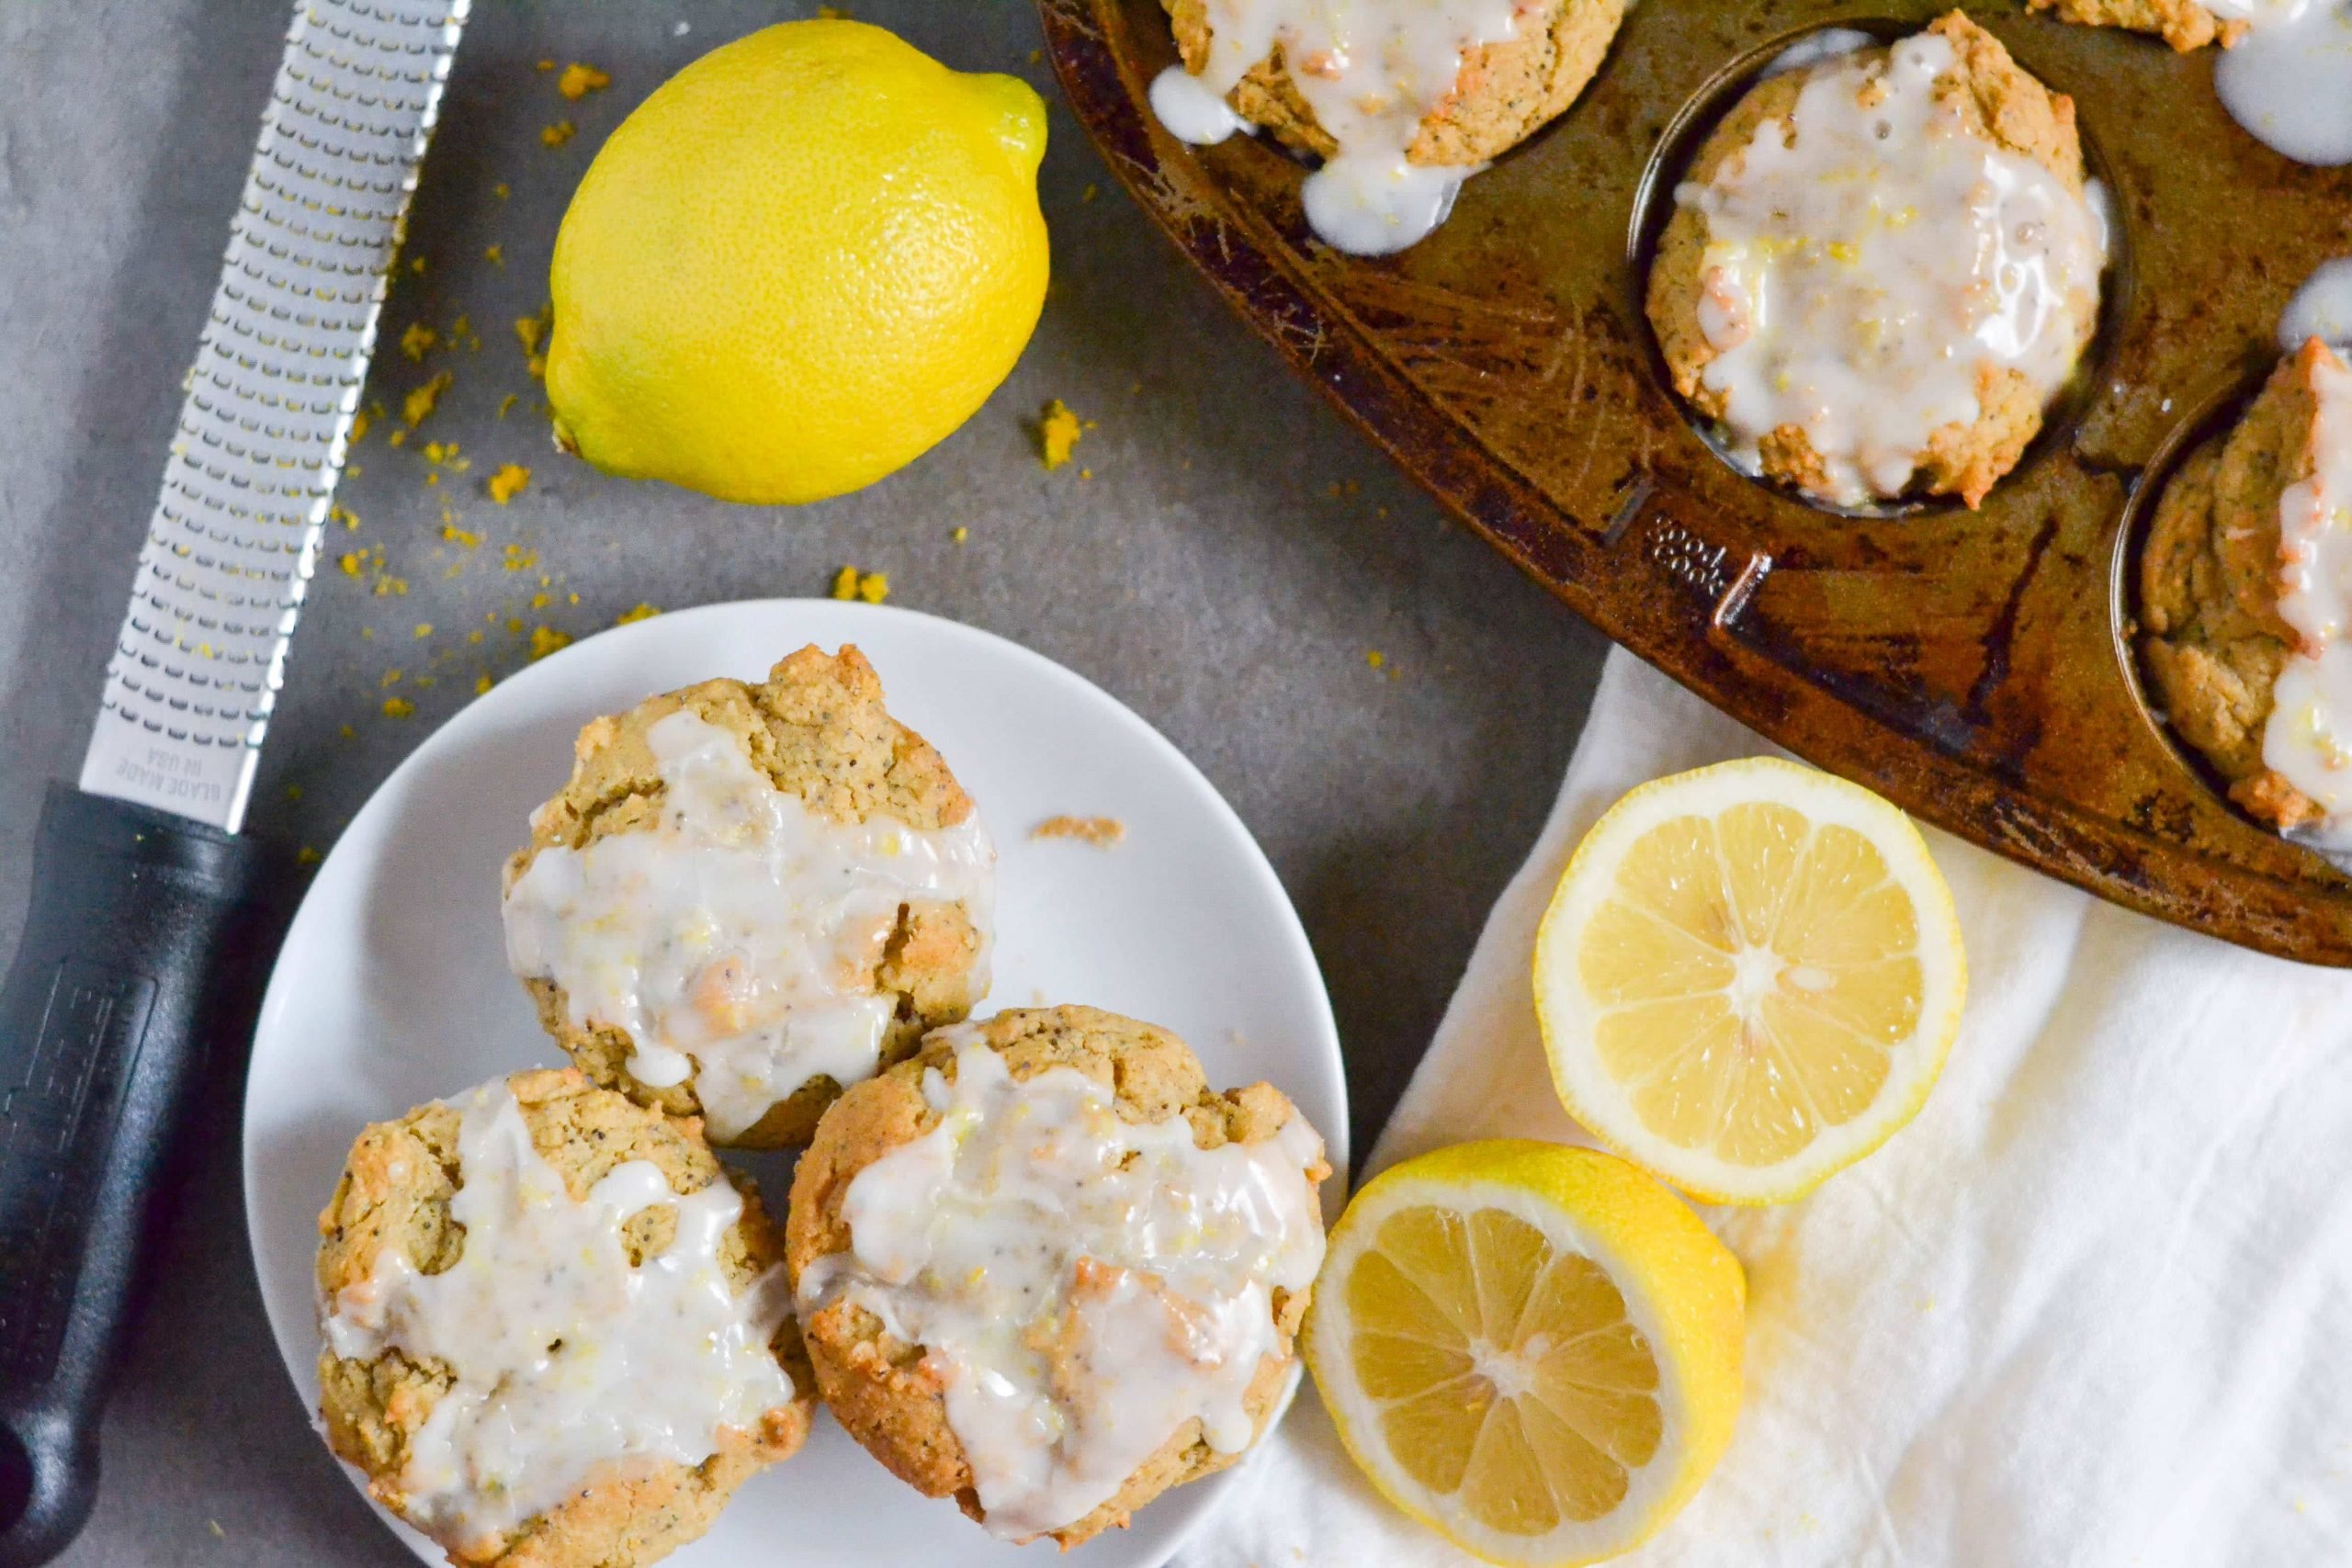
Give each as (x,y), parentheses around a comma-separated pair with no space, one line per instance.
(2288,77)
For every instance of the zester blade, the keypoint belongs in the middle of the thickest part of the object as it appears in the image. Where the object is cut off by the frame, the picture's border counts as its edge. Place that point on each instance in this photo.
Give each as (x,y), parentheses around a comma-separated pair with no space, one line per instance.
(262,435)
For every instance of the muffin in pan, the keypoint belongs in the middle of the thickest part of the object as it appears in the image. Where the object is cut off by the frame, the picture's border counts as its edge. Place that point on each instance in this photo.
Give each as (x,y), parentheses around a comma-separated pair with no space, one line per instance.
(556,1332)
(1504,92)
(1045,1270)
(2245,595)
(2184,24)
(1881,269)
(1402,104)
(750,896)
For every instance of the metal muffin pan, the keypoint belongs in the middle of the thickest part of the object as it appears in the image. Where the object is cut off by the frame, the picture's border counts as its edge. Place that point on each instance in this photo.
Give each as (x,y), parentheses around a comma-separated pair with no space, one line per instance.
(1976,667)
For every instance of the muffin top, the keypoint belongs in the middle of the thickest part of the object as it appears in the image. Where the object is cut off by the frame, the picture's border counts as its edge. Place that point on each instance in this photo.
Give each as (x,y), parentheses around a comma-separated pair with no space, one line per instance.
(2241,602)
(552,1325)
(1882,268)
(1044,1270)
(745,889)
(1402,103)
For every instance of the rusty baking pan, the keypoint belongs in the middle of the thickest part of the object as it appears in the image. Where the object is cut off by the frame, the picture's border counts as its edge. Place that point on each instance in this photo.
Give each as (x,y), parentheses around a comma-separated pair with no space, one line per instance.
(1975,667)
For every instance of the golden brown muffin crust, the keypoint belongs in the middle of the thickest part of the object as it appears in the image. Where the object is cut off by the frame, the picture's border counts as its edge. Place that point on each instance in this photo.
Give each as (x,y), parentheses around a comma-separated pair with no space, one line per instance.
(2213,640)
(817,727)
(394,1195)
(876,1386)
(2184,24)
(1505,93)
(1999,103)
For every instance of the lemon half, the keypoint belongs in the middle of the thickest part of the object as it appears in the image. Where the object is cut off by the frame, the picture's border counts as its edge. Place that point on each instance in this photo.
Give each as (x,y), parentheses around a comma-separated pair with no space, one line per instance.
(1749,977)
(1532,1349)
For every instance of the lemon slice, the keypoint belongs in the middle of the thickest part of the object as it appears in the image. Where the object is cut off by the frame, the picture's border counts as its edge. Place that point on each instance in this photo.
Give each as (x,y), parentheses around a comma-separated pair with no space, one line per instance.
(1532,1349)
(1749,978)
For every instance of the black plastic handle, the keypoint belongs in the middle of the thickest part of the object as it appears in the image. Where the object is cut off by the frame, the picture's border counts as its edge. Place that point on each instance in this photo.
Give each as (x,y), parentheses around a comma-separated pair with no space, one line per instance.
(98,1040)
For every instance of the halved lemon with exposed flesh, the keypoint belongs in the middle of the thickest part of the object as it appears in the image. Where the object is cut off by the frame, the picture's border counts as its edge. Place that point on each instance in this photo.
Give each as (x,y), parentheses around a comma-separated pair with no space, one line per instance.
(1749,978)
(1532,1348)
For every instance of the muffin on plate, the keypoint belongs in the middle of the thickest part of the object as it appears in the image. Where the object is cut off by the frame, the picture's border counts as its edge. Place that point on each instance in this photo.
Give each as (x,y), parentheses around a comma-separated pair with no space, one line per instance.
(750,896)
(2237,554)
(1505,92)
(1880,268)
(1043,1269)
(556,1332)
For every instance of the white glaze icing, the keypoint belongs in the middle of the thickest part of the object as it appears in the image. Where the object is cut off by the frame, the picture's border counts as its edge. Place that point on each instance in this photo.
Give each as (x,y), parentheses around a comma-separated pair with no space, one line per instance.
(1082,1286)
(1816,47)
(2307,737)
(2320,308)
(2288,80)
(735,938)
(1867,260)
(570,1365)
(1371,69)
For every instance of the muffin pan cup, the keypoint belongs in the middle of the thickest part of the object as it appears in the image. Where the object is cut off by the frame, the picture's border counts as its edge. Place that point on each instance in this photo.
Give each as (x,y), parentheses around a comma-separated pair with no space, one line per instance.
(1977,667)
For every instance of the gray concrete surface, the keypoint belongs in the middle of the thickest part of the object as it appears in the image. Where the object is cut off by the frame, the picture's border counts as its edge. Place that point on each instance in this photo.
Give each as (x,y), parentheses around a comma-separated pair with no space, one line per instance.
(1235,558)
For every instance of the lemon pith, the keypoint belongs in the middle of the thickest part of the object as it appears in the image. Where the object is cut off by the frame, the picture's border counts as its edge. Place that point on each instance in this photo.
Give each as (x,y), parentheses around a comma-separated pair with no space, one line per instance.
(1532,1348)
(803,261)
(1749,978)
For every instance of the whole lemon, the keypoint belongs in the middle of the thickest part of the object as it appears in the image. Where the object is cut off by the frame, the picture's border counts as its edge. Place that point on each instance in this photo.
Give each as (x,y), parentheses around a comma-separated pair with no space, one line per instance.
(801,263)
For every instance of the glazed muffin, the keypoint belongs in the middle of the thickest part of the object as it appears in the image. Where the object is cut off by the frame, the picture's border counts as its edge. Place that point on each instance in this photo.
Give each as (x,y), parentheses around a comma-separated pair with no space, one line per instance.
(2248,515)
(750,896)
(1881,269)
(556,1332)
(1034,1227)
(2184,24)
(1504,93)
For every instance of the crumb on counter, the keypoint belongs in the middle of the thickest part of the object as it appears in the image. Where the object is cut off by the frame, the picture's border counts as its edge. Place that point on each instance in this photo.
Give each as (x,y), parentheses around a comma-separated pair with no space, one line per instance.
(578,81)
(507,402)
(508,482)
(960,535)
(495,254)
(483,683)
(1057,432)
(1090,192)
(306,855)
(342,514)
(358,426)
(545,65)
(418,406)
(831,13)
(871,586)
(630,617)
(519,559)
(398,707)
(1374,658)
(423,629)
(545,640)
(418,339)
(559,133)
(502,191)
(1100,832)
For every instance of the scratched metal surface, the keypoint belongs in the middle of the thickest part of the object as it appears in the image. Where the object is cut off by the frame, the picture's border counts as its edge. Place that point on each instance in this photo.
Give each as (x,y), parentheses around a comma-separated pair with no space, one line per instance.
(1974,666)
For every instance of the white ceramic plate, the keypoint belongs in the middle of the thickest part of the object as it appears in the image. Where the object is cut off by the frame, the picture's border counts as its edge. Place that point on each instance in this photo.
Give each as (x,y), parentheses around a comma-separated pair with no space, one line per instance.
(392,988)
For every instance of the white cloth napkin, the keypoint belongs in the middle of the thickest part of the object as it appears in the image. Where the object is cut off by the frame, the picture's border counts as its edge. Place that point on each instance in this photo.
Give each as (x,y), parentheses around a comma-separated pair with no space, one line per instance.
(2093,1308)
